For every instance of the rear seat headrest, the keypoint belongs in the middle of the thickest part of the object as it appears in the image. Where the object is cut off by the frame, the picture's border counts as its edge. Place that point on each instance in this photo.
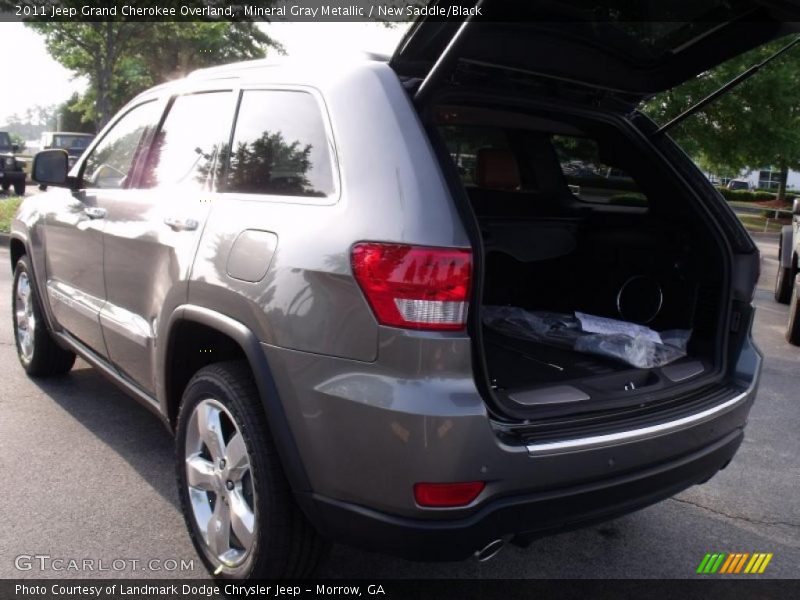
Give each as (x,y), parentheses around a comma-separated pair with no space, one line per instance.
(497,168)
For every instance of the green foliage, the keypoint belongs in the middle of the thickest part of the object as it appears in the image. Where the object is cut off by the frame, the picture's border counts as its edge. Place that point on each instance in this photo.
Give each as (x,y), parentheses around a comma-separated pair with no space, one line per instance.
(754,126)
(121,59)
(750,196)
(8,208)
(30,124)
(18,140)
(72,116)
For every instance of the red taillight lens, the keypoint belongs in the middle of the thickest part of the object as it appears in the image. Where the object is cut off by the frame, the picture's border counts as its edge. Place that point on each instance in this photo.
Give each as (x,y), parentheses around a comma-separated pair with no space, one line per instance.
(447,494)
(415,287)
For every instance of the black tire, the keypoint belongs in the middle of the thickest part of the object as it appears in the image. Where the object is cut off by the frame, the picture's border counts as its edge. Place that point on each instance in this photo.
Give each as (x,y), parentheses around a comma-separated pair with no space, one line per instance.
(784,280)
(5,186)
(793,329)
(19,188)
(783,285)
(285,545)
(47,358)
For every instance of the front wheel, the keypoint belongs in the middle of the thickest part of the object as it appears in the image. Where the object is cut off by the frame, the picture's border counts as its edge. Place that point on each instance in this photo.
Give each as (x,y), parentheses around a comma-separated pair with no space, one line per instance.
(236,501)
(38,352)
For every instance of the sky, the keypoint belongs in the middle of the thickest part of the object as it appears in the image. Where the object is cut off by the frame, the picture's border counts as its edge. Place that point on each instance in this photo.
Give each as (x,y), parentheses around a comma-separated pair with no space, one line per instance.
(35,78)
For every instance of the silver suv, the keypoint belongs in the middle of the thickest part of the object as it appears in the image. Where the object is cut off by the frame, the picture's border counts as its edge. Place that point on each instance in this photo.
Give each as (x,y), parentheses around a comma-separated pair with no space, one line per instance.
(301,268)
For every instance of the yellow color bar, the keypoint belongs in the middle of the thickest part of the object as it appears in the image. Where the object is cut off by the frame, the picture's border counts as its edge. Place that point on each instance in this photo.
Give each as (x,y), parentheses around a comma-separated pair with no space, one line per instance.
(749,566)
(764,564)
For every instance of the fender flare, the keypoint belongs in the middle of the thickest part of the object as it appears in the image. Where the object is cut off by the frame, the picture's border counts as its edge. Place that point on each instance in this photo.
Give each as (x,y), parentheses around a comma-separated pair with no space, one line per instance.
(787,247)
(277,421)
(41,294)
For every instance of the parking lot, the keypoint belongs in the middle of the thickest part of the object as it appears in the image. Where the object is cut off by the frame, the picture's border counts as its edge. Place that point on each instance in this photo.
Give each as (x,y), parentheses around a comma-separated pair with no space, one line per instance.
(88,474)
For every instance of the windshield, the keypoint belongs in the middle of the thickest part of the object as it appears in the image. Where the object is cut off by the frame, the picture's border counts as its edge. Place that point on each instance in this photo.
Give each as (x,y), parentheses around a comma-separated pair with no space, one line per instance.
(71,142)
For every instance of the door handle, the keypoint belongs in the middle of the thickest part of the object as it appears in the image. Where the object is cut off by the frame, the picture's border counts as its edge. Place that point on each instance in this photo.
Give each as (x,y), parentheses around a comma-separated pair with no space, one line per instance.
(94,212)
(177,224)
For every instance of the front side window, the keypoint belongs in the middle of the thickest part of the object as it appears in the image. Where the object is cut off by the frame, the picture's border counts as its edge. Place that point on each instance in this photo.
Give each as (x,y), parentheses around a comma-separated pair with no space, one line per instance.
(280,146)
(110,163)
(184,151)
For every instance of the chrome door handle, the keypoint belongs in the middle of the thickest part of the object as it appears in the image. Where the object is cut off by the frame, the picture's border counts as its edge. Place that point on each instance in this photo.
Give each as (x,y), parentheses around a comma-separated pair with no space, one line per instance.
(94,212)
(181,224)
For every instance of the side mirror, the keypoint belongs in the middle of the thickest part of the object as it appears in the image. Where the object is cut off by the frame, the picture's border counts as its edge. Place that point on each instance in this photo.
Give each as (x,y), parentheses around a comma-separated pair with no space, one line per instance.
(50,167)
(14,148)
(796,207)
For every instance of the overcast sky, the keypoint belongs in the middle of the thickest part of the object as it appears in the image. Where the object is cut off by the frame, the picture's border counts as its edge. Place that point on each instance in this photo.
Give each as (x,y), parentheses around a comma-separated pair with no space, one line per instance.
(33,77)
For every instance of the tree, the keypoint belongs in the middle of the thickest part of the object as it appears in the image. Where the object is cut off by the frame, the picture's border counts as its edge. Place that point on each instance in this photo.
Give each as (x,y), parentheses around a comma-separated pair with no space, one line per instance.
(70,117)
(120,59)
(756,125)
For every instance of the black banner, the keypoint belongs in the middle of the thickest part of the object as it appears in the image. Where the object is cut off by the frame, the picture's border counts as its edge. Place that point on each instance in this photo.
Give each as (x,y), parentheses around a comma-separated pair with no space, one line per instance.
(649,589)
(577,11)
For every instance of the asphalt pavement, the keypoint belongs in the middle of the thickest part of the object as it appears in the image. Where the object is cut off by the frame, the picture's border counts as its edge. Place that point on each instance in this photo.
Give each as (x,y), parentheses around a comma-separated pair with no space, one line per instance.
(88,476)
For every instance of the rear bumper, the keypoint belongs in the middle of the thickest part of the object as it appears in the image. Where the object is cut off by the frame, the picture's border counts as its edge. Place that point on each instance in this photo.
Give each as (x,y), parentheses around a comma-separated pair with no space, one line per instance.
(531,514)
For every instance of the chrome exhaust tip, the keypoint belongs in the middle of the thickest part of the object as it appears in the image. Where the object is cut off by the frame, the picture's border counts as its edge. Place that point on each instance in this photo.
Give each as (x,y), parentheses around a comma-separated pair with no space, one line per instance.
(490,550)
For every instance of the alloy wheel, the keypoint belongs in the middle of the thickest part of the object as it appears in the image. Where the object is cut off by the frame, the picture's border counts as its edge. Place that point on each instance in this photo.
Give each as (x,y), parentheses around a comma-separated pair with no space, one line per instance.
(24,317)
(220,483)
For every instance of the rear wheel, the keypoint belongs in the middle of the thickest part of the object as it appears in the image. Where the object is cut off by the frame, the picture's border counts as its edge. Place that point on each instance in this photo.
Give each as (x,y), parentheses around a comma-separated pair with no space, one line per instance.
(19,188)
(5,186)
(783,280)
(793,329)
(236,500)
(38,352)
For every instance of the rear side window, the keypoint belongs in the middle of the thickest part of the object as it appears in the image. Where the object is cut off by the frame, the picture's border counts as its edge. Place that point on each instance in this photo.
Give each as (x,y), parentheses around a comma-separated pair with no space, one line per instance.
(185,149)
(280,146)
(590,179)
(467,143)
(110,162)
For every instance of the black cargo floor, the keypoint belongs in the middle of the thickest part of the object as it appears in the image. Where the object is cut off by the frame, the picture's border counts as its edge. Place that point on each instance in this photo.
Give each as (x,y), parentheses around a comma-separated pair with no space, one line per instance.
(517,363)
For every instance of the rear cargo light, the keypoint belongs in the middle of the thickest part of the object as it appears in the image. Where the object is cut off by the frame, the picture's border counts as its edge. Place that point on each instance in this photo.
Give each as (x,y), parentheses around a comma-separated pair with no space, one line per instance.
(447,494)
(415,287)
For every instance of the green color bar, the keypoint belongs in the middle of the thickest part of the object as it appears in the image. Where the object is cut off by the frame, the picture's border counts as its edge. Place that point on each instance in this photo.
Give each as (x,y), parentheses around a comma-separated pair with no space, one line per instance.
(703,563)
(718,564)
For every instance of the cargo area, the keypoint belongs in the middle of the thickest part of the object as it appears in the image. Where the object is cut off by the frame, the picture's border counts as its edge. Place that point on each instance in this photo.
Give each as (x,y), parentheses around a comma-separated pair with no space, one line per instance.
(574,217)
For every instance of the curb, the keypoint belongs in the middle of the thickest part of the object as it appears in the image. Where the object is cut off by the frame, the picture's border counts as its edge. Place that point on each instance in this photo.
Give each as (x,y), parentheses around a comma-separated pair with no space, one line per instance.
(762,235)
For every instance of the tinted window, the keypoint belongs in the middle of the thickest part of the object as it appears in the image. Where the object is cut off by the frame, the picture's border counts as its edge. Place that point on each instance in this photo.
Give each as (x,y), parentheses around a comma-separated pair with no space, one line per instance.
(184,150)
(5,140)
(109,164)
(280,146)
(591,179)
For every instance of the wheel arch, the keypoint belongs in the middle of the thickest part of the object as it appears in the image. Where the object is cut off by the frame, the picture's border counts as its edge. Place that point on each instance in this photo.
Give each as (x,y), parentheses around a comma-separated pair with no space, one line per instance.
(17,248)
(230,331)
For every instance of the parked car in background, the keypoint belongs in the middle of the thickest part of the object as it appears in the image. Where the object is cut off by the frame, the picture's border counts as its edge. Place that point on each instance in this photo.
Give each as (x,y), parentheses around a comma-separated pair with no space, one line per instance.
(74,143)
(739,184)
(302,290)
(786,290)
(11,168)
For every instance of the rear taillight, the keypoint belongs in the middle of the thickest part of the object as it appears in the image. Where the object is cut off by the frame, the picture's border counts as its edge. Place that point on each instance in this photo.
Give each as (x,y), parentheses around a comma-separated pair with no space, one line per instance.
(444,495)
(415,287)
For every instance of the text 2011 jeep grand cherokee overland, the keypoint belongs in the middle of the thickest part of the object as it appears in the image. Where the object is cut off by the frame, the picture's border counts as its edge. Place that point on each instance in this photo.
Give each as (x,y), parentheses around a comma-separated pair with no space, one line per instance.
(368,297)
